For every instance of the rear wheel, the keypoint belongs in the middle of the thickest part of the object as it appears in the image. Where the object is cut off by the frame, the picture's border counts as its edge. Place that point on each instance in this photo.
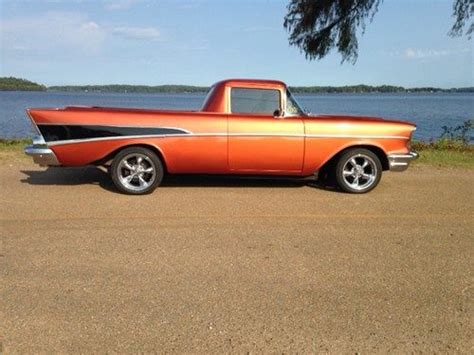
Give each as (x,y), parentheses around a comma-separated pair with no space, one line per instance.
(136,171)
(358,171)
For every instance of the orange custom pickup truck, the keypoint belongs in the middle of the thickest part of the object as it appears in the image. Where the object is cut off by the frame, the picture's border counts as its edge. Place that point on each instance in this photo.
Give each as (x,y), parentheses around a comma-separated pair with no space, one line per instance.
(244,127)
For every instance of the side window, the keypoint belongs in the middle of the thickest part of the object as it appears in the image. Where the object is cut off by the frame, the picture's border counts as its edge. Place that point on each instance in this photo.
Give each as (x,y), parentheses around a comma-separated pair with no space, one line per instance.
(254,100)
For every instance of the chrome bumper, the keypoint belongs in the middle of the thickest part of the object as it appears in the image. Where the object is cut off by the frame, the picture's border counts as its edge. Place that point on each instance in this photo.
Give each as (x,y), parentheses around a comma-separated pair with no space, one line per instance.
(400,162)
(41,154)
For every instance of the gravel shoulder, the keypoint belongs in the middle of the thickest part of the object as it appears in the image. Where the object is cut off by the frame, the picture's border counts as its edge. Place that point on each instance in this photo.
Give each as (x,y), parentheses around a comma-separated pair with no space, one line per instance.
(230,265)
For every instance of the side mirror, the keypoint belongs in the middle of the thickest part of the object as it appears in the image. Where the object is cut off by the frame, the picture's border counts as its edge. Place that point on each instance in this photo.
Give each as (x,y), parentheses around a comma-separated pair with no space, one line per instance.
(278,113)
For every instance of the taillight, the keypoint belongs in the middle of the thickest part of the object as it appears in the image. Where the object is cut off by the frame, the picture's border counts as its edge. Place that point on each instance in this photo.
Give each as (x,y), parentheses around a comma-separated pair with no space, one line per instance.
(410,138)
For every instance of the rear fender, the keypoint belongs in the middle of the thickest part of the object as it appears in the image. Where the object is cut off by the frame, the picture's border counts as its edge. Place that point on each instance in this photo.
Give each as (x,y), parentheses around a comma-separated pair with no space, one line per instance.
(86,153)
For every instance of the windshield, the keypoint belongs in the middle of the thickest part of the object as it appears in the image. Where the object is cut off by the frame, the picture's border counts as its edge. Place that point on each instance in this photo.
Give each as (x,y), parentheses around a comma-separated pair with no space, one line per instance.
(293,108)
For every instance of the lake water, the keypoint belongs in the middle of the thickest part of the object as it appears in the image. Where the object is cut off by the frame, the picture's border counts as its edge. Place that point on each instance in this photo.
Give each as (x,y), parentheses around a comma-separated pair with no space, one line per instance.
(428,111)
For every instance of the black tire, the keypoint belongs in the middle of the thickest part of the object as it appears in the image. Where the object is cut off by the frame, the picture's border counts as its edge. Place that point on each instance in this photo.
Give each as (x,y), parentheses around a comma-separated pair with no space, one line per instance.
(361,177)
(145,171)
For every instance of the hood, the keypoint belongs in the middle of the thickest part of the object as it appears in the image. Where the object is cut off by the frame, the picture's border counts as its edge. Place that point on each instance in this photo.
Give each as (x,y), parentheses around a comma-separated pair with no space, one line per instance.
(357,119)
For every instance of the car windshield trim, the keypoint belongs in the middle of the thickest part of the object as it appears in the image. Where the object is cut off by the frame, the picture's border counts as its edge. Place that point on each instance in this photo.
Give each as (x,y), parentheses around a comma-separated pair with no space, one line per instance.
(296,107)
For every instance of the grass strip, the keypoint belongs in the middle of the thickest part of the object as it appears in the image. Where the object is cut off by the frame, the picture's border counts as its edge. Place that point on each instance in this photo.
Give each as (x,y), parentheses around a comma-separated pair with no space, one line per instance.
(442,153)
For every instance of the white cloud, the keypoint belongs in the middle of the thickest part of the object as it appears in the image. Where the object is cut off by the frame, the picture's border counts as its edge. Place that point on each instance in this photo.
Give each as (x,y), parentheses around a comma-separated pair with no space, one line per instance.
(53,31)
(189,5)
(411,53)
(138,33)
(67,32)
(119,4)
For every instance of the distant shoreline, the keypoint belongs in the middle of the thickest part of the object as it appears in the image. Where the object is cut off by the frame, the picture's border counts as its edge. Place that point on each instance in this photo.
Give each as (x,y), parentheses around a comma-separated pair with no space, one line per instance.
(178,89)
(15,84)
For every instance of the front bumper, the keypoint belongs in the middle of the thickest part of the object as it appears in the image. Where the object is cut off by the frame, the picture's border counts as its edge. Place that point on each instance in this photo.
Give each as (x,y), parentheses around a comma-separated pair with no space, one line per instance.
(41,153)
(400,162)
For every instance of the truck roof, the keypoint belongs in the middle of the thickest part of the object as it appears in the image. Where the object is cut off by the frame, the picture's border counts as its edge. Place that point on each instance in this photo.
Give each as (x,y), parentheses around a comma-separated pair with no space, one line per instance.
(250,82)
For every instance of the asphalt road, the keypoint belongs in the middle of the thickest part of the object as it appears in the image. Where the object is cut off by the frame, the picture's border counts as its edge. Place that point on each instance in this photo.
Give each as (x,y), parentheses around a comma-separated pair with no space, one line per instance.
(225,265)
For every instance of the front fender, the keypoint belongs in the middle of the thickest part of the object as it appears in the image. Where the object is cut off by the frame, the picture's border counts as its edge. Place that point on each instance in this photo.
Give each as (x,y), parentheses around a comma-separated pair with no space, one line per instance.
(321,150)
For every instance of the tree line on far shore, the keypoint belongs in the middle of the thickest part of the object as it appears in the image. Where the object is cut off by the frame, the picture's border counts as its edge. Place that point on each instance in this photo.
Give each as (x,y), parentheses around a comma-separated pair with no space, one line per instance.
(372,89)
(16,84)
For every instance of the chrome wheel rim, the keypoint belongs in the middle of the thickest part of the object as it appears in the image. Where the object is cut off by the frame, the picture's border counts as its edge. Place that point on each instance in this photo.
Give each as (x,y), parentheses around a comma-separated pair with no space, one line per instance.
(136,172)
(359,172)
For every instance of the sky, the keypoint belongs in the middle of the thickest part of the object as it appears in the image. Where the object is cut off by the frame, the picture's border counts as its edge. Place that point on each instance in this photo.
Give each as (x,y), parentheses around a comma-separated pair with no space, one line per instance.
(198,42)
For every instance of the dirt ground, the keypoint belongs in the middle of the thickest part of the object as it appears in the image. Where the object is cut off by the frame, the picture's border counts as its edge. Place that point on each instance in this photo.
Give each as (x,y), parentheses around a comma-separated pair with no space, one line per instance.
(230,265)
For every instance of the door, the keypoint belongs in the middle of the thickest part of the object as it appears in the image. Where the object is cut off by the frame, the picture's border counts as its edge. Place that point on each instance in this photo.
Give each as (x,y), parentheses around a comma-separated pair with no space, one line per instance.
(258,141)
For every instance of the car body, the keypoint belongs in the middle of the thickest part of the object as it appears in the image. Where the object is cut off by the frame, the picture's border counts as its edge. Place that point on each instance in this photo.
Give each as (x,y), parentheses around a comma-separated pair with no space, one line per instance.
(244,127)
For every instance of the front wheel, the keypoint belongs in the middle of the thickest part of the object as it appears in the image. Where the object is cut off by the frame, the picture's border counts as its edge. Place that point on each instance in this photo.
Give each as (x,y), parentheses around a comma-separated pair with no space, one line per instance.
(358,171)
(136,171)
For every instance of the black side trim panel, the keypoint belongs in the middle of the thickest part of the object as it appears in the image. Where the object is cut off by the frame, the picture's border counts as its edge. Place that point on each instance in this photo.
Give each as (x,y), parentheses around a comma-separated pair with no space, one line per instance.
(52,133)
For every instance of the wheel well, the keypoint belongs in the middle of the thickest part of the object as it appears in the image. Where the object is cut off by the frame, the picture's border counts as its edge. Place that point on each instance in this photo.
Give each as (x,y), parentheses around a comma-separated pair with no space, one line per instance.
(376,150)
(111,155)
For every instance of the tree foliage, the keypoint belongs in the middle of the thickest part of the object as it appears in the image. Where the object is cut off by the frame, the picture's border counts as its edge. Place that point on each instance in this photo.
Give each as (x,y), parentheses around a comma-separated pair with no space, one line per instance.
(318,26)
(16,84)
(176,89)
(462,11)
